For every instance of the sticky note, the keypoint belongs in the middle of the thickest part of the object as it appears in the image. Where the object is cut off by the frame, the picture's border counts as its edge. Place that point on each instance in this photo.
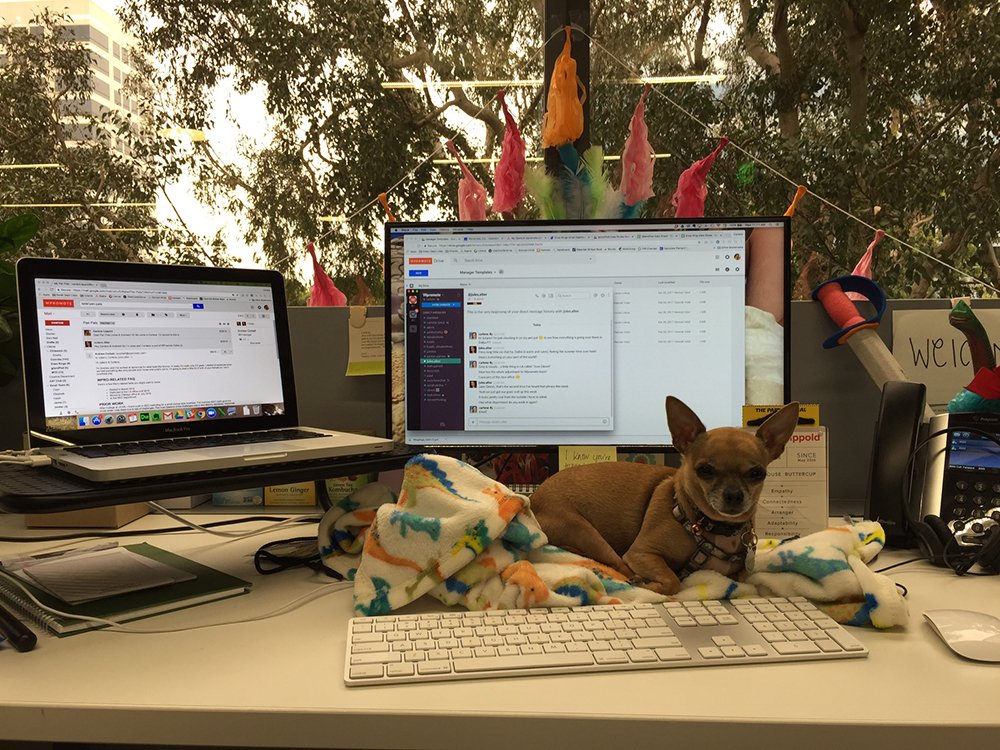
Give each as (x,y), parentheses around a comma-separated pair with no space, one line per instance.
(574,455)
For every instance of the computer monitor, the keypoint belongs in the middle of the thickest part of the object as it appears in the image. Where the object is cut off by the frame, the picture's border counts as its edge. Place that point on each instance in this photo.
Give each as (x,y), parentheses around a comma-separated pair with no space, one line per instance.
(531,335)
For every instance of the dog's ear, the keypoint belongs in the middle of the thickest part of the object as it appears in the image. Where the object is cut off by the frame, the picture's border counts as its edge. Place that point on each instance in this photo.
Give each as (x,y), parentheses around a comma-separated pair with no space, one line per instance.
(683,424)
(778,427)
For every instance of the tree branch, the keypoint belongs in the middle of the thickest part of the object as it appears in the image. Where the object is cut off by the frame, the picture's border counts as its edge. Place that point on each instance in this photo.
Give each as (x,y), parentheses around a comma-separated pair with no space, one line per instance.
(753,44)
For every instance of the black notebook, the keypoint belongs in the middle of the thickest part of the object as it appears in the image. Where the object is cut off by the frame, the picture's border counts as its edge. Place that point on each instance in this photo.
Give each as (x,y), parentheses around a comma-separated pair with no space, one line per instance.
(207,585)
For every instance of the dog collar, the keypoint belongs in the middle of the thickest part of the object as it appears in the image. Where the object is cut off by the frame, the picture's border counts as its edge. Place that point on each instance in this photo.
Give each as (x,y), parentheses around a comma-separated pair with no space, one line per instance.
(703,547)
(704,524)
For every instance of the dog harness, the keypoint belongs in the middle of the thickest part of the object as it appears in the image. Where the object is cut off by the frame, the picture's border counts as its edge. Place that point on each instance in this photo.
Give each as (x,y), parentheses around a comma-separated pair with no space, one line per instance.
(704,548)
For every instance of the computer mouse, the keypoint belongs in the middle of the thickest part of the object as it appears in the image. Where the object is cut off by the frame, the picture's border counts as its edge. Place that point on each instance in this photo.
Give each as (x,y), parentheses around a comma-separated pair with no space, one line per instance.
(974,635)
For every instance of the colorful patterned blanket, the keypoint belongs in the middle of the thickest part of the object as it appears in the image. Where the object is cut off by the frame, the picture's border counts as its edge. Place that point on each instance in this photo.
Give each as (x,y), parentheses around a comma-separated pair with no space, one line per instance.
(466,539)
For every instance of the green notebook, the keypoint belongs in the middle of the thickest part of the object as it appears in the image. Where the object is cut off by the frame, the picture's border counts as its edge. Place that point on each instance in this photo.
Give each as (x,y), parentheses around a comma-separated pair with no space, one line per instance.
(207,585)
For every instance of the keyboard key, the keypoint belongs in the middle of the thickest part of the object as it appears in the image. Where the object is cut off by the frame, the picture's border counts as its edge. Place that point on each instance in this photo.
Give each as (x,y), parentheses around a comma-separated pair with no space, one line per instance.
(796,647)
(531,661)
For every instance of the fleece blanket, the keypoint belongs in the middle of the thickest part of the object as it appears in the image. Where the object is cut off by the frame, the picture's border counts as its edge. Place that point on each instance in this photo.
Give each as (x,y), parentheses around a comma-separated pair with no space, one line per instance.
(457,535)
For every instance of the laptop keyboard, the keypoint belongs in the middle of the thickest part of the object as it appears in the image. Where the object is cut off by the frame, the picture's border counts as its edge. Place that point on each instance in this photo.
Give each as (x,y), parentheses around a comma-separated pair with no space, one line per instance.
(195,441)
(521,642)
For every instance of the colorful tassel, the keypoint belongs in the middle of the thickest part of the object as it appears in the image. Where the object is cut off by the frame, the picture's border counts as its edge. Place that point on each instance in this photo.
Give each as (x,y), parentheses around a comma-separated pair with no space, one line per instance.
(563,120)
(508,179)
(384,200)
(799,192)
(471,194)
(864,266)
(323,292)
(689,198)
(637,158)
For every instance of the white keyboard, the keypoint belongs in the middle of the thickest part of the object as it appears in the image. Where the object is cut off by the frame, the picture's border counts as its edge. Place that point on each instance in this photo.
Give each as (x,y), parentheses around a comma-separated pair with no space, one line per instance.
(461,645)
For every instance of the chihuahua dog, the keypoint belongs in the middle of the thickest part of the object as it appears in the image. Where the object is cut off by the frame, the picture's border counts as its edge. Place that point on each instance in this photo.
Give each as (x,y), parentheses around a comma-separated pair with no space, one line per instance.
(657,524)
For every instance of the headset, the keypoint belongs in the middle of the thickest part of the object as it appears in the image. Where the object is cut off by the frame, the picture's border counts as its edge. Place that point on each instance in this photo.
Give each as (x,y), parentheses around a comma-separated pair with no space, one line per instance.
(895,497)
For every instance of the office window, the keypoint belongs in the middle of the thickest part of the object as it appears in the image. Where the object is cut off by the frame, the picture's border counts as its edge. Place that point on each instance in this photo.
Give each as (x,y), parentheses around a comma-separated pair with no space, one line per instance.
(99,38)
(101,63)
(117,51)
(101,88)
(118,75)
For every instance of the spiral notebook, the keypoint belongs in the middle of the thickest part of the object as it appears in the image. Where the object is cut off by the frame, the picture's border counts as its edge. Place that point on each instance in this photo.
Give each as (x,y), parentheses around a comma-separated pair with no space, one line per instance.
(205,585)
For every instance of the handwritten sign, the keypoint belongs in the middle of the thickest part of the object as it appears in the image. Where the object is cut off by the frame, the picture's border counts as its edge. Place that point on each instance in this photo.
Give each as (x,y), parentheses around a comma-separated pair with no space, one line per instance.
(574,455)
(931,351)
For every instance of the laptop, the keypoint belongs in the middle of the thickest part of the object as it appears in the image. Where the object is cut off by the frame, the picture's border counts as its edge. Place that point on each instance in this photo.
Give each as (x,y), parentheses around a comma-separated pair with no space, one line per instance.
(136,370)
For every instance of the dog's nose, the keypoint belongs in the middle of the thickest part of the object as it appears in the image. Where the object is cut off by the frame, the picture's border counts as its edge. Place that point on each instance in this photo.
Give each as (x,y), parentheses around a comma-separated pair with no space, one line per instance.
(733,497)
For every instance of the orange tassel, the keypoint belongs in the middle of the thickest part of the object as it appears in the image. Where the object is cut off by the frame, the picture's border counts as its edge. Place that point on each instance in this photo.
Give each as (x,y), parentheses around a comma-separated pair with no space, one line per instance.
(563,120)
(799,192)
(384,200)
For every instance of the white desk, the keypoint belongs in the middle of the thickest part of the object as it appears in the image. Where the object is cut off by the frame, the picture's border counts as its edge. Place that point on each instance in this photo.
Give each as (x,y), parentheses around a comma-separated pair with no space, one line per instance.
(278,683)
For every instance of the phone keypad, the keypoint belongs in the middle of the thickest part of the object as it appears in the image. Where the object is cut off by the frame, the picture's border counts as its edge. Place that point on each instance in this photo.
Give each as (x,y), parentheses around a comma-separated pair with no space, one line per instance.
(971,507)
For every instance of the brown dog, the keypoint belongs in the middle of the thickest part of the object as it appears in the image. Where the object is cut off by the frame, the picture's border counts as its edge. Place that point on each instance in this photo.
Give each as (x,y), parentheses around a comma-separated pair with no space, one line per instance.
(656,524)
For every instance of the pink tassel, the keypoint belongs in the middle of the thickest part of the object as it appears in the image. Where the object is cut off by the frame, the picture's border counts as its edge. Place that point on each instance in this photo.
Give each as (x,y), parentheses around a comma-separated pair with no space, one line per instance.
(508,180)
(323,292)
(471,194)
(637,157)
(689,199)
(864,267)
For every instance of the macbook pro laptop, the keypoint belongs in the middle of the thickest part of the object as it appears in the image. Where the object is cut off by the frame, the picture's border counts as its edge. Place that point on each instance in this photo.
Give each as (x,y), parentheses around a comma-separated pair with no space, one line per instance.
(138,370)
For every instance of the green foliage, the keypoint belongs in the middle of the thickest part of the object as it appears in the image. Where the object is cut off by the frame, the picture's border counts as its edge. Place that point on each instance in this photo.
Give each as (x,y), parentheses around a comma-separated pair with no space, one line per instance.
(888,110)
(110,164)
(15,232)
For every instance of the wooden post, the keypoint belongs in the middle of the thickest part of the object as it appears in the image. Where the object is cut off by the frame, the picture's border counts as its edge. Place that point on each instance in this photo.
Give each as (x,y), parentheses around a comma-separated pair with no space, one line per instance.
(556,15)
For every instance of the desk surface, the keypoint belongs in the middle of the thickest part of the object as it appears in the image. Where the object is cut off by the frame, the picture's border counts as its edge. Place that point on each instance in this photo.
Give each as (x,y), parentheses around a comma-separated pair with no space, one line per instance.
(278,682)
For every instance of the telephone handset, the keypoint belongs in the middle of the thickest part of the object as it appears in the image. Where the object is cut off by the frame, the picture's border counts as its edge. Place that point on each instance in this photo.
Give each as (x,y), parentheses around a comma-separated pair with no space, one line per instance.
(936,485)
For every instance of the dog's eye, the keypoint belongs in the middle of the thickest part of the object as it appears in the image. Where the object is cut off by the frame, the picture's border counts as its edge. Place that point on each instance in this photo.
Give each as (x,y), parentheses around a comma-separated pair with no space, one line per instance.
(705,471)
(757,474)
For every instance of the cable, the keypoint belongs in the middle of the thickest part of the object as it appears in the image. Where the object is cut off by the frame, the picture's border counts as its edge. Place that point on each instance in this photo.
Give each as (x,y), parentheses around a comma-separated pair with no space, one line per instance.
(232,534)
(30,457)
(141,532)
(275,557)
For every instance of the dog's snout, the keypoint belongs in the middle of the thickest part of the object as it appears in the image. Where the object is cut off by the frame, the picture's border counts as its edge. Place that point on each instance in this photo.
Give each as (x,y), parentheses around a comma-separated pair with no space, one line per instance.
(733,497)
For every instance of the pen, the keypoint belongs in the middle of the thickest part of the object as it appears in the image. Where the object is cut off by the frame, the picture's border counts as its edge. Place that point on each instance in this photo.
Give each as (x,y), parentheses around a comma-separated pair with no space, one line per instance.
(16,631)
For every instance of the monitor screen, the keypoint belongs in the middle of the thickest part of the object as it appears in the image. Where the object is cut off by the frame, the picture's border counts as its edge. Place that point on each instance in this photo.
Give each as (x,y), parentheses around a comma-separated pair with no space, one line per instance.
(126,351)
(539,334)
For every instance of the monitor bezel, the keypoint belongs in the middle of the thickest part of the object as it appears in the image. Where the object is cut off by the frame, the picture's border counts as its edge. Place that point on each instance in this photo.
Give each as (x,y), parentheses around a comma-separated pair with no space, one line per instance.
(597,223)
(29,269)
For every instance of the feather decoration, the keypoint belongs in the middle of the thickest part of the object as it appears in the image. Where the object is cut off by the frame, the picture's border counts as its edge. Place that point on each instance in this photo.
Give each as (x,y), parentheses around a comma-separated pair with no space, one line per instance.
(323,292)
(542,188)
(563,119)
(689,198)
(864,266)
(604,202)
(573,179)
(508,179)
(580,189)
(637,157)
(471,194)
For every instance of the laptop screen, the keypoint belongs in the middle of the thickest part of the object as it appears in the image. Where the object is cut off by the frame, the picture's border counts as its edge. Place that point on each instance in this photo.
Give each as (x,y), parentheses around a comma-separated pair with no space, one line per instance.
(573,333)
(127,351)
